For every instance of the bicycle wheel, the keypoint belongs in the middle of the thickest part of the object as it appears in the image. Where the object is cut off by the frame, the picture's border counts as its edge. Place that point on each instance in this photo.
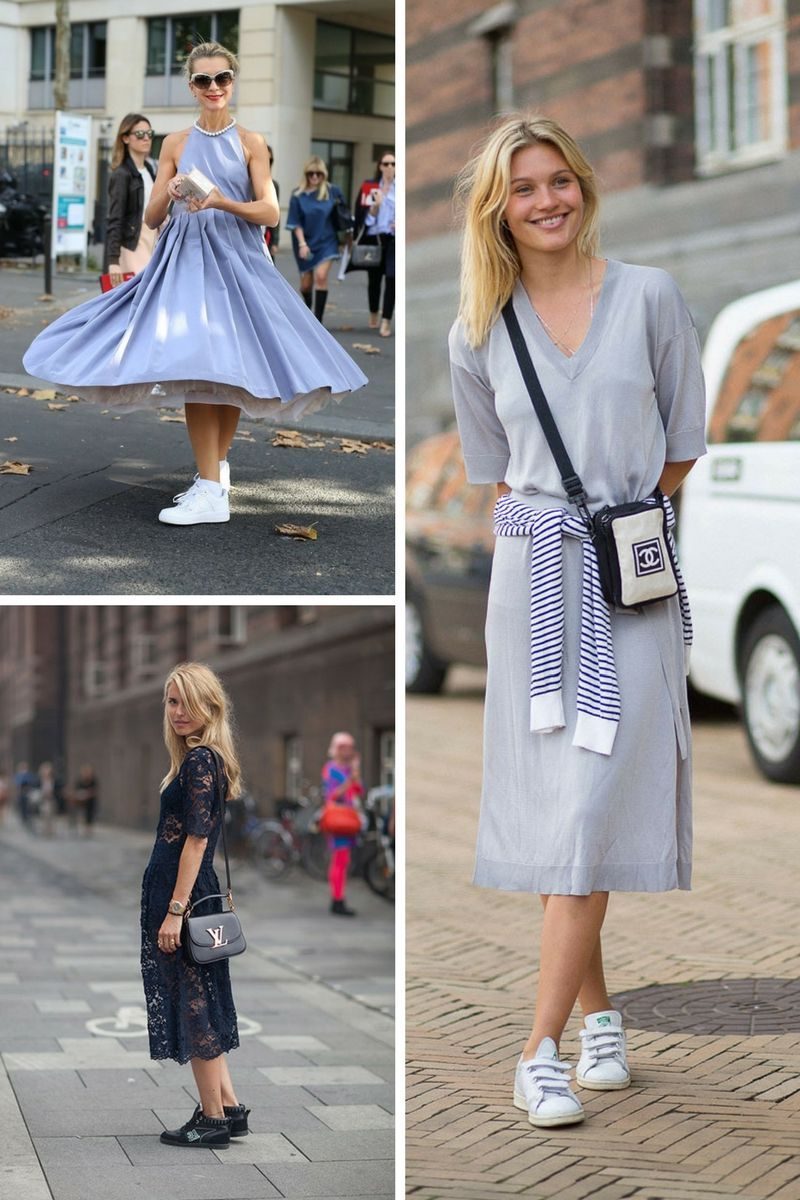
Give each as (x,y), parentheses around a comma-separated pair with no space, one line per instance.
(274,852)
(315,856)
(378,875)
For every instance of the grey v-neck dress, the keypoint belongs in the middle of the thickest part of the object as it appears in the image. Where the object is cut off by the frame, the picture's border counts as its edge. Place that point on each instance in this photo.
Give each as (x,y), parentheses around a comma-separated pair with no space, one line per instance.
(556,818)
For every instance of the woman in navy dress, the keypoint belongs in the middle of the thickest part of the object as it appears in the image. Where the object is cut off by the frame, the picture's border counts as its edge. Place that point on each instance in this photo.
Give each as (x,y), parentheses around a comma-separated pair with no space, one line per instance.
(190,1012)
(314,236)
(210,324)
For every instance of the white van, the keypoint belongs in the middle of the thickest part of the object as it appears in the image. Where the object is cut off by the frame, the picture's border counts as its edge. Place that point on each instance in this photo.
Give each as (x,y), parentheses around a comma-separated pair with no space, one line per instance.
(739,525)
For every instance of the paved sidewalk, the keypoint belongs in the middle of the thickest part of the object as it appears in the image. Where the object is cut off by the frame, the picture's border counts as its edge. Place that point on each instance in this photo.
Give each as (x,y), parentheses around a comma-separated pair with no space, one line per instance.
(710,1115)
(81,1102)
(84,521)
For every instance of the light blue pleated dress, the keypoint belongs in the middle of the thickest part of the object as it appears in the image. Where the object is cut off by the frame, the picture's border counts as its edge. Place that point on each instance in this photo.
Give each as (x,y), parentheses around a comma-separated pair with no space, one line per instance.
(209,320)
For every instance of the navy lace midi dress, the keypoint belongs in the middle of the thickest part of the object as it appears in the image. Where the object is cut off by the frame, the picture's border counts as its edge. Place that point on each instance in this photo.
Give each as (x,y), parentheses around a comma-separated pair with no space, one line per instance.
(190,1010)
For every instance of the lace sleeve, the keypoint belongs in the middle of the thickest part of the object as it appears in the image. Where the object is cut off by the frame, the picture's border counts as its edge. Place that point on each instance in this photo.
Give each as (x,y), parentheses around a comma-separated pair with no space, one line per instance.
(198,783)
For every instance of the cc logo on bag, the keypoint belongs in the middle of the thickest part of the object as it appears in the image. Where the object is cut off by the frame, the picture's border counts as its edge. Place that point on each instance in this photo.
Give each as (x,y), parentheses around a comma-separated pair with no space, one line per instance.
(647,557)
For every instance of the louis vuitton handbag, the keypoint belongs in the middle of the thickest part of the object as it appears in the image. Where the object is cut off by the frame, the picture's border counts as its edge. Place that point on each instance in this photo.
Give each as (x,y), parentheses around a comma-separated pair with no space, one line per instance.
(634,552)
(219,934)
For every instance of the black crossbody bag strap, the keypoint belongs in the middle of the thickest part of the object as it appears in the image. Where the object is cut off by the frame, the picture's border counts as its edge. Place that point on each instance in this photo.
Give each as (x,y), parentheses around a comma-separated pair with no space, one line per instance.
(573,485)
(218,765)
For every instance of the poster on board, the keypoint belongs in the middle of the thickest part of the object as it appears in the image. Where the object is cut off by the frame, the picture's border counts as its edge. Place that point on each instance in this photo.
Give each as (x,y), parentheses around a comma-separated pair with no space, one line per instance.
(72,142)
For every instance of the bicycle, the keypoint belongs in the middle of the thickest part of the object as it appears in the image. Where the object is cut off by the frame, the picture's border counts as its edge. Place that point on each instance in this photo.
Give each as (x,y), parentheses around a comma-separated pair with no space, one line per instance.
(376,858)
(291,838)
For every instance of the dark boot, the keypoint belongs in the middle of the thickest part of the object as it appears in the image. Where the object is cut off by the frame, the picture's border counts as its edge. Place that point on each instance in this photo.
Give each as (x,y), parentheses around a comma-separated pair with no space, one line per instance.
(320,297)
(340,909)
(307,296)
(237,1115)
(200,1130)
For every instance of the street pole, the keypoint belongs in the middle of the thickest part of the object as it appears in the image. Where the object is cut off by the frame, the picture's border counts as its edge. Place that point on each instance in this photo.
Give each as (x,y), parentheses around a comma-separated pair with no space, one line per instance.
(47,234)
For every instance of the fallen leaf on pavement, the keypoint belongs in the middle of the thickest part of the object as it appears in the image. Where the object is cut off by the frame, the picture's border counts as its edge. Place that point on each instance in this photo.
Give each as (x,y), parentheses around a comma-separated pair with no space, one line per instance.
(56,407)
(11,439)
(171,417)
(47,296)
(73,399)
(19,468)
(289,437)
(299,532)
(5,312)
(353,446)
(367,347)
(10,391)
(22,391)
(45,394)
(383,445)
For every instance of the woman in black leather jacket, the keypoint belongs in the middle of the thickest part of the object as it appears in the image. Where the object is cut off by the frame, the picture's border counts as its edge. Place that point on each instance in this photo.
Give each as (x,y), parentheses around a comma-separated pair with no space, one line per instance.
(129,243)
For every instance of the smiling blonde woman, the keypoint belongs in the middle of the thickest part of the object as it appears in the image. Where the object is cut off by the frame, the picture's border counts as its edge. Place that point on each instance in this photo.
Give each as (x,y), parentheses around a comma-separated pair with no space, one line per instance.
(587,779)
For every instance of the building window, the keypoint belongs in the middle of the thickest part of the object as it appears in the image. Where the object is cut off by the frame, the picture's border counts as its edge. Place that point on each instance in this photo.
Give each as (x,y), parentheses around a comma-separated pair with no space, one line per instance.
(170,40)
(338,157)
(740,81)
(386,757)
(229,624)
(87,51)
(293,766)
(353,70)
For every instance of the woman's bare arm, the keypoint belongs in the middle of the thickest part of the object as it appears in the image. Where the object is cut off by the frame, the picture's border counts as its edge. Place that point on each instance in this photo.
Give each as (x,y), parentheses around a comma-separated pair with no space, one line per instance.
(674,474)
(160,196)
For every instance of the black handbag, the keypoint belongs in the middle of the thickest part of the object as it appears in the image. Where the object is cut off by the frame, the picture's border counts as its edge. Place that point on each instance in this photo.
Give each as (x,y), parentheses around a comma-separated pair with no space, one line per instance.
(634,551)
(343,219)
(219,935)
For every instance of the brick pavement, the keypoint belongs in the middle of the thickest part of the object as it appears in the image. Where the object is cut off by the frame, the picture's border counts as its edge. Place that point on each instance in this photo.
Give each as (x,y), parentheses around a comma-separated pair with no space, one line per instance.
(81,1102)
(708,1117)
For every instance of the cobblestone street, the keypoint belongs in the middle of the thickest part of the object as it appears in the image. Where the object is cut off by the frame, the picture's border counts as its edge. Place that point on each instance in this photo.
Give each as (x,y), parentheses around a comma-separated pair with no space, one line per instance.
(81,1102)
(713,1110)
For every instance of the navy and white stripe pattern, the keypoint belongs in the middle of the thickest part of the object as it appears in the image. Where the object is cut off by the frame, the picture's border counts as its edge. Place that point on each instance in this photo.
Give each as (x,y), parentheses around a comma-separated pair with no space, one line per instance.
(598,702)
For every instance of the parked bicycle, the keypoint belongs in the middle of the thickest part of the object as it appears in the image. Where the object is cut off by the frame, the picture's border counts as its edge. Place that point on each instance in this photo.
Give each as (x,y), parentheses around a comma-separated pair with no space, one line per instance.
(293,838)
(376,851)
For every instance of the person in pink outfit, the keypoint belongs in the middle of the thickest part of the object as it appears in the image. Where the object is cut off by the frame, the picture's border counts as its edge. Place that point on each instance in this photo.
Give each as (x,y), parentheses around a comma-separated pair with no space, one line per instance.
(341,784)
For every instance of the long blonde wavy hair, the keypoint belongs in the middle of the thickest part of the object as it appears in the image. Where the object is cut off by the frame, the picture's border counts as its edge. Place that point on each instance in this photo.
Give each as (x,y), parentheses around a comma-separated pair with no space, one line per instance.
(205,700)
(315,164)
(490,263)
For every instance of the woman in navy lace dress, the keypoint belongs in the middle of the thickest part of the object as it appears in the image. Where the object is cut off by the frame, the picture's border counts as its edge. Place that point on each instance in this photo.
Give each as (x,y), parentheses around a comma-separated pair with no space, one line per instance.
(190,1011)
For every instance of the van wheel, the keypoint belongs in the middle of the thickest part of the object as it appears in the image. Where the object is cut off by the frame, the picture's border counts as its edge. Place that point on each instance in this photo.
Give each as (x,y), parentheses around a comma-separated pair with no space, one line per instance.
(424,672)
(770,669)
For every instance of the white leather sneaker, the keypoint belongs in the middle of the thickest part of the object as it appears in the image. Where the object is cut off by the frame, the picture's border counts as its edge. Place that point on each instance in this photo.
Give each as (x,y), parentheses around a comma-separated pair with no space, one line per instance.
(541,1086)
(198,506)
(603,1065)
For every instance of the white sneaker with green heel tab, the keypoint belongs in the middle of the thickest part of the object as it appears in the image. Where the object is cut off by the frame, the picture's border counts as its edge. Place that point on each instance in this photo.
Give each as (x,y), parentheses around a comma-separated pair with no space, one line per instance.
(541,1086)
(603,1066)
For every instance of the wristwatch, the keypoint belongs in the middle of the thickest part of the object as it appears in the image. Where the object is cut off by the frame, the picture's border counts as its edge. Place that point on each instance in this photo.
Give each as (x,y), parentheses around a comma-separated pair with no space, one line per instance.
(176,908)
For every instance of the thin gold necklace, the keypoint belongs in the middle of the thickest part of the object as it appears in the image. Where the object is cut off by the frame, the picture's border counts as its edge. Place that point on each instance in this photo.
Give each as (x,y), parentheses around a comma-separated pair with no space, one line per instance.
(558,339)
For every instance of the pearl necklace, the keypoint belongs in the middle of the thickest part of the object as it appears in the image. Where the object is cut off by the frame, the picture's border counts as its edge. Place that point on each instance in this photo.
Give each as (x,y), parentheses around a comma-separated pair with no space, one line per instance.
(216,132)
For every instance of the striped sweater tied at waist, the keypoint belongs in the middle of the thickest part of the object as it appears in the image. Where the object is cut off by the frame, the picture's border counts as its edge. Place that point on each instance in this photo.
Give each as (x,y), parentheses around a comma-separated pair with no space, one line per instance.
(598,702)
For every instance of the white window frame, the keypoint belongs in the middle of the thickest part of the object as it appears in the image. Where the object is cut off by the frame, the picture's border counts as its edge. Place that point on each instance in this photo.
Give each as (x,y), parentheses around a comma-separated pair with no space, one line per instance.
(386,757)
(292,766)
(238,634)
(714,151)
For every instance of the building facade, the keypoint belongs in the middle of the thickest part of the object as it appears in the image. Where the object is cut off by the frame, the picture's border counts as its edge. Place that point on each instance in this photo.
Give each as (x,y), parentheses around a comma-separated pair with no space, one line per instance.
(688,110)
(317,76)
(84,684)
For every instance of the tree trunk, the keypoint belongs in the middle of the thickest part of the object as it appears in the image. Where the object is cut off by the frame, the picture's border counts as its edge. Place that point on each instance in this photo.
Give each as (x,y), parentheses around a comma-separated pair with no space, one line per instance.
(62,65)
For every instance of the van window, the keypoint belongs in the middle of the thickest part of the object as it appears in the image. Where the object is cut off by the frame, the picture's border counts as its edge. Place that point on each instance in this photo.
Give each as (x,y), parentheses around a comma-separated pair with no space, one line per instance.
(759,400)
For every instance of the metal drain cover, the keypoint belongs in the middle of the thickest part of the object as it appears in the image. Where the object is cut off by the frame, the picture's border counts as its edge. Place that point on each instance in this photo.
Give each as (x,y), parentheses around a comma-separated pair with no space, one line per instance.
(746,1006)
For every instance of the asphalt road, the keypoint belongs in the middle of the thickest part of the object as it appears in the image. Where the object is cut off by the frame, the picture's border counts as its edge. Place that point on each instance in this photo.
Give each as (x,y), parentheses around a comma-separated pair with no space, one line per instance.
(84,521)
